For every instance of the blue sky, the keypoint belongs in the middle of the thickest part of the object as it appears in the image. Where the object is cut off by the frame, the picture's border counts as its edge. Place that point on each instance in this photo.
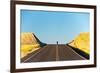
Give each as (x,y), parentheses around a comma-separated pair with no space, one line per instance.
(50,26)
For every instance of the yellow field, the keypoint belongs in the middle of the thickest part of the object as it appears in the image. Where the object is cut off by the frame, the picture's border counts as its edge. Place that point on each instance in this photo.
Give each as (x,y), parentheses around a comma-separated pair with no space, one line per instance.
(28,38)
(82,42)
(27,48)
(29,43)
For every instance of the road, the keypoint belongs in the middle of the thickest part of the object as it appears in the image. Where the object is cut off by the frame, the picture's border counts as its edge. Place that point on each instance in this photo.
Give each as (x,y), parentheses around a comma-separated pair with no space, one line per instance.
(52,52)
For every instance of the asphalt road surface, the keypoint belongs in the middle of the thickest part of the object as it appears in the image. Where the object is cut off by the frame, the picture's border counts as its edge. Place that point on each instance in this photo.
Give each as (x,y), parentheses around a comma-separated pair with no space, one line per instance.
(53,53)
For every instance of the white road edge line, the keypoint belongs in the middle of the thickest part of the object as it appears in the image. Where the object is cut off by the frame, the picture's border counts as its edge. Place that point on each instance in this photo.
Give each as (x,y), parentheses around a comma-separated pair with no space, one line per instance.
(76,53)
(34,54)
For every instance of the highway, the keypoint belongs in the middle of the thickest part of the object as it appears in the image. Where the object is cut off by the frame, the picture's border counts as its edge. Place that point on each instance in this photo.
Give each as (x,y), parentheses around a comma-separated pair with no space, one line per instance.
(53,52)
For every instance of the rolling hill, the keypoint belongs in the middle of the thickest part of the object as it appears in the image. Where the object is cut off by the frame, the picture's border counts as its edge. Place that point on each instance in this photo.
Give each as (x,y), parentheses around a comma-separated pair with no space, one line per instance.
(29,43)
(82,42)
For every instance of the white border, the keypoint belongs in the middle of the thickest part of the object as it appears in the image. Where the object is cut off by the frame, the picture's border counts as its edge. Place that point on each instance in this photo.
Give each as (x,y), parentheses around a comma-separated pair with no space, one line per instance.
(52,64)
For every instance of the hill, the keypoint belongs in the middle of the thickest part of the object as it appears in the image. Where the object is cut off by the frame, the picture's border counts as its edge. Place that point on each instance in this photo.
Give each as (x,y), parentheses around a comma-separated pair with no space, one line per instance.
(29,43)
(82,42)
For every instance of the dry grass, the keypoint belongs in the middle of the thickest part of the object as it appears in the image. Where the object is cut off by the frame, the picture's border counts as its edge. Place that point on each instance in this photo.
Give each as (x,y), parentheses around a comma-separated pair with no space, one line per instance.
(82,42)
(27,48)
(28,38)
(29,43)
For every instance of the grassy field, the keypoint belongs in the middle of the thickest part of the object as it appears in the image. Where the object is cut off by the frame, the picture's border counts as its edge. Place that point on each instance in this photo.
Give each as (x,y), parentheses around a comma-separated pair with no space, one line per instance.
(29,43)
(82,42)
(27,48)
